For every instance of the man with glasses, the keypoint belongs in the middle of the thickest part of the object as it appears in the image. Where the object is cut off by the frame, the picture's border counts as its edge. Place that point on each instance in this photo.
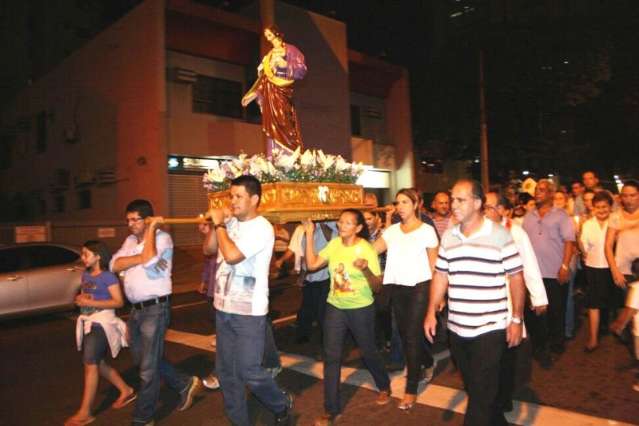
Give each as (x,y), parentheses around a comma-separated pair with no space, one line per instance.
(496,209)
(552,234)
(145,261)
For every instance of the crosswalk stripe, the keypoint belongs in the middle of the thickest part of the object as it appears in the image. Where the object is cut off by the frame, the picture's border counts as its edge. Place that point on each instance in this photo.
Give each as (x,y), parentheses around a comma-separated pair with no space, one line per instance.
(443,397)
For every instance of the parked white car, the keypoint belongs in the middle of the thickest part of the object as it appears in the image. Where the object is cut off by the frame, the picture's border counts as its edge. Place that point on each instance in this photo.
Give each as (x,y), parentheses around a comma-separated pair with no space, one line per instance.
(38,277)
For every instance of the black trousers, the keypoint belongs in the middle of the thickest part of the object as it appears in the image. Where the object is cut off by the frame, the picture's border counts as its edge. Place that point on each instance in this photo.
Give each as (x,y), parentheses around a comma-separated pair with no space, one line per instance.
(409,305)
(549,329)
(314,295)
(478,359)
(507,377)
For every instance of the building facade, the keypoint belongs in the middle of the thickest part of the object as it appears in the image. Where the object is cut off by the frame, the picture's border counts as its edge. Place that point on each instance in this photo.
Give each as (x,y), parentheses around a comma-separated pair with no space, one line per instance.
(139,110)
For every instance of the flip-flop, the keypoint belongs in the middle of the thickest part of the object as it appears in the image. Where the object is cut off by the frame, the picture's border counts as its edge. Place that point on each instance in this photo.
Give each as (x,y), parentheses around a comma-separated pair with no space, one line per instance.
(126,401)
(79,422)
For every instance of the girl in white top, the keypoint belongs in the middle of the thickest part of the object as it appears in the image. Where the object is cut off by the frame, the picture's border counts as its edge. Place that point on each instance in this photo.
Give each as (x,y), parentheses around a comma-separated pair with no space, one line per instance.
(599,284)
(411,247)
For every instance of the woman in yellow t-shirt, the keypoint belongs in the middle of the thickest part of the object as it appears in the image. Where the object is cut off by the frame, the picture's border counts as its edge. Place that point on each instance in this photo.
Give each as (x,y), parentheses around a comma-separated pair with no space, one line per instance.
(354,270)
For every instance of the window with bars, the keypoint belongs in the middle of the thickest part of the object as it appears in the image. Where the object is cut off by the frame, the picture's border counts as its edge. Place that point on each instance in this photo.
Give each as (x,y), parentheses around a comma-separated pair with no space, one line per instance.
(217,96)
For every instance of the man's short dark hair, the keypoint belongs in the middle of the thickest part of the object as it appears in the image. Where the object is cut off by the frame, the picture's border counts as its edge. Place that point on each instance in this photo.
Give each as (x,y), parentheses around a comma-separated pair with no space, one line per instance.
(576,182)
(503,201)
(524,198)
(475,189)
(142,207)
(251,184)
(589,191)
(446,193)
(631,182)
(602,196)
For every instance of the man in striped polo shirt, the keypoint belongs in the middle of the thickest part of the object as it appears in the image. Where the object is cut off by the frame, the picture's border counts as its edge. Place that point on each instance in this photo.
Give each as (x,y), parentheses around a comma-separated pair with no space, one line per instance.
(475,259)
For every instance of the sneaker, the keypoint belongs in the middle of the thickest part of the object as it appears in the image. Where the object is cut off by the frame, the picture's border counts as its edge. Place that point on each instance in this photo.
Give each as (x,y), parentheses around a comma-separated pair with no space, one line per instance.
(283,418)
(186,396)
(274,371)
(211,382)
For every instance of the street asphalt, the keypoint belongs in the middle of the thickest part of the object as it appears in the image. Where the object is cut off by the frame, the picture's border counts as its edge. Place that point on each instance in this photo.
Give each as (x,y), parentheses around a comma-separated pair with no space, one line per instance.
(41,375)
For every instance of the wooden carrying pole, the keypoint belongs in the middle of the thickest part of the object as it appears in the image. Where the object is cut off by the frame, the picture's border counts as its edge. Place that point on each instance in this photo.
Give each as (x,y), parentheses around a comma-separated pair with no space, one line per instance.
(201,219)
(184,220)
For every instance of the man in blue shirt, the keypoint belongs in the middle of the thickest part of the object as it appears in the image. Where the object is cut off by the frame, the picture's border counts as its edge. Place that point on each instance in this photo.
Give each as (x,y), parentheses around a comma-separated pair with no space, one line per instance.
(316,285)
(552,235)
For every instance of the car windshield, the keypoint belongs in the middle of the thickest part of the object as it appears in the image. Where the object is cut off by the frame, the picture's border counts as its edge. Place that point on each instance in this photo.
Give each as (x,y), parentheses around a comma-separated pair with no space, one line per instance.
(37,256)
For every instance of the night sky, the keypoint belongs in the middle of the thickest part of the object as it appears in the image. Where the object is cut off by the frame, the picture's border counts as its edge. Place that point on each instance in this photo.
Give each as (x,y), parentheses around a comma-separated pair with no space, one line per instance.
(562,80)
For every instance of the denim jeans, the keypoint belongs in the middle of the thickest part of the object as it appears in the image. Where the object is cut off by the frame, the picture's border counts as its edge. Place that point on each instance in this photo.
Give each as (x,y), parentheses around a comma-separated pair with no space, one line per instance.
(271,355)
(240,351)
(147,327)
(361,323)
(314,295)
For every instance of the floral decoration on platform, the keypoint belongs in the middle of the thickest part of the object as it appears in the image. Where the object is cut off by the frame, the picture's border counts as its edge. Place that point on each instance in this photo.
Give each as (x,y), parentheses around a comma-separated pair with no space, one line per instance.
(282,166)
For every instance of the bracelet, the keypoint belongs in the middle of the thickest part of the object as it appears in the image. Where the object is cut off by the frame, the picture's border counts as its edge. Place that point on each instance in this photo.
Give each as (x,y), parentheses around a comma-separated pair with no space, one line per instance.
(219,225)
(564,267)
(515,320)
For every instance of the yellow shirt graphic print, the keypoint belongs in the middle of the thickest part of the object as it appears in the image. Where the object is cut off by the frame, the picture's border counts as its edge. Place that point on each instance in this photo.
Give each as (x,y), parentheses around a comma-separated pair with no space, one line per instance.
(349,286)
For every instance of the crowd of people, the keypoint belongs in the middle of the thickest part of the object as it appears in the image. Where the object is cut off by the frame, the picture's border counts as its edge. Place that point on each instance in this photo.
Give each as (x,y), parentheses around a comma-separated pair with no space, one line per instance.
(470,271)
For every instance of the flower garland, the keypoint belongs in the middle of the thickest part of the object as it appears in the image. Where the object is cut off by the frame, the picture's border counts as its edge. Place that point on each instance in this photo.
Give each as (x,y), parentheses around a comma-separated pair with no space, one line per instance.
(310,166)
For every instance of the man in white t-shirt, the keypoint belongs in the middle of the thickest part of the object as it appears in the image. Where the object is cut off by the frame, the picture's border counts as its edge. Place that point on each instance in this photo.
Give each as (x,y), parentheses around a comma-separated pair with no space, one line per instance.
(623,234)
(245,246)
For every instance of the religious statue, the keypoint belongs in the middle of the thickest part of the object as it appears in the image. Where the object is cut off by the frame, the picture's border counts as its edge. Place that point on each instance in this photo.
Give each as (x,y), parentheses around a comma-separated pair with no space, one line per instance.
(273,89)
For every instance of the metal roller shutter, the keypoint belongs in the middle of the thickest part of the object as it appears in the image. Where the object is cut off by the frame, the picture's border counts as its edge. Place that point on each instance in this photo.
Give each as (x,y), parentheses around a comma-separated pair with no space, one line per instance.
(187,198)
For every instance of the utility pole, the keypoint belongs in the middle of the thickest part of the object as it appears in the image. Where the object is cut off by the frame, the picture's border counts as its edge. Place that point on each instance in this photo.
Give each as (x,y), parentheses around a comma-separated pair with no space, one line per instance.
(483,132)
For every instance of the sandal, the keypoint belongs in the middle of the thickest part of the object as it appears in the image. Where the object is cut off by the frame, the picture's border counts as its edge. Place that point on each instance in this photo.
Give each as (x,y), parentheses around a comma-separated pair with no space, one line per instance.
(407,403)
(383,397)
(327,419)
(74,421)
(121,403)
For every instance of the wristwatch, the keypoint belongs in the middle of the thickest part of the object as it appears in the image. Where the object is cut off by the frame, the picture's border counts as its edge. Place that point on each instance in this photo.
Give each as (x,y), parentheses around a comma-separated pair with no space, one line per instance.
(219,225)
(516,320)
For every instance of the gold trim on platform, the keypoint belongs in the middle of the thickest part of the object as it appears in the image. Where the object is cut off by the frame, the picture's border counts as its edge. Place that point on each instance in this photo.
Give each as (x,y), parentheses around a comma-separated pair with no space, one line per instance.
(284,202)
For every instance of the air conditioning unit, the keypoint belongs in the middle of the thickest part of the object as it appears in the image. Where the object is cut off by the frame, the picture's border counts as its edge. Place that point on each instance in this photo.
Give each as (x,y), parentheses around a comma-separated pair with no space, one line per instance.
(84,178)
(71,134)
(182,75)
(372,112)
(60,181)
(106,176)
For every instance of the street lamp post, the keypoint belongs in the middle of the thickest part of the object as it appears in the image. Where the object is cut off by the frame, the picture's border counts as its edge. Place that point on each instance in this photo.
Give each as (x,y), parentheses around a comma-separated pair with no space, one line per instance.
(483,133)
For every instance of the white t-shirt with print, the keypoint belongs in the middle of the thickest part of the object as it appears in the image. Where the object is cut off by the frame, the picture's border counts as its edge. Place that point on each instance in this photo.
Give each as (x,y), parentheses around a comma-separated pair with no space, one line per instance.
(243,288)
(627,249)
(406,258)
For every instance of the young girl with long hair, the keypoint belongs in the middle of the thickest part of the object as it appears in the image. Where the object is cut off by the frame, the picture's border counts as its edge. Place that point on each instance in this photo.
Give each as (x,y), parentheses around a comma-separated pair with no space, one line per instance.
(98,330)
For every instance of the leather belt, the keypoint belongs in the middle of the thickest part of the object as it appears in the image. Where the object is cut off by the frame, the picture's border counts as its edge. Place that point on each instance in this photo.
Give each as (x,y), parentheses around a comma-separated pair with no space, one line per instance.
(151,302)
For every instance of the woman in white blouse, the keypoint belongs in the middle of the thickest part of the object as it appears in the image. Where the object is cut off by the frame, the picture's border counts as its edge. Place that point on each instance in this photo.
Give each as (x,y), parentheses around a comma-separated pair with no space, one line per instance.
(599,284)
(411,247)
